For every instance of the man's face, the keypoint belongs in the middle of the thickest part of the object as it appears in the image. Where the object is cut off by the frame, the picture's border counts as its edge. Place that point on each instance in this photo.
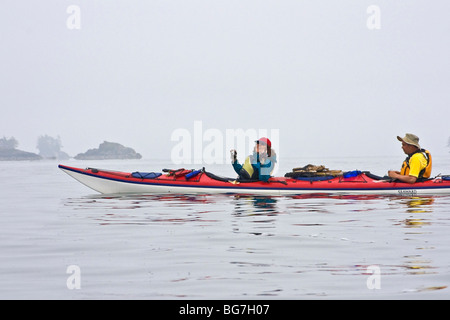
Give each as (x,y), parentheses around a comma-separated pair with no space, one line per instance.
(408,148)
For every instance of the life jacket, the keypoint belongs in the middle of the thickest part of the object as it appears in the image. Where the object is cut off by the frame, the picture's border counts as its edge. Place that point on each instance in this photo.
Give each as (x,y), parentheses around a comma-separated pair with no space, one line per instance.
(425,172)
(247,166)
(249,170)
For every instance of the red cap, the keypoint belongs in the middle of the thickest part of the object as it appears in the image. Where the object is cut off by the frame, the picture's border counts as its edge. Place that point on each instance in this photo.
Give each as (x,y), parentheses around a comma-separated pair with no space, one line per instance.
(265,141)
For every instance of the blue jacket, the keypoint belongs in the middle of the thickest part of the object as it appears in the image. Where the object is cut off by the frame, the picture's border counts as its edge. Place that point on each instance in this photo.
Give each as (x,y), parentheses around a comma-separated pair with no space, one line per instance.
(260,171)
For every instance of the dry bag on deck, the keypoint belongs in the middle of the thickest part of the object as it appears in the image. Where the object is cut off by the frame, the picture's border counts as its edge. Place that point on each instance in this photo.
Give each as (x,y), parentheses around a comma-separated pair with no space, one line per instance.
(146,175)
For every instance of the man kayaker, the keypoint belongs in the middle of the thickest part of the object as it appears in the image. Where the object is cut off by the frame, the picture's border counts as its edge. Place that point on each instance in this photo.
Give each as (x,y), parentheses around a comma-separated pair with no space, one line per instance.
(417,164)
(259,165)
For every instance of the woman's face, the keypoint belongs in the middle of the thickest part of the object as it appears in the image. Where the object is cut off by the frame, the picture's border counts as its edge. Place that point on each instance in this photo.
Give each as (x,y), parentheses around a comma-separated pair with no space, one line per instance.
(261,148)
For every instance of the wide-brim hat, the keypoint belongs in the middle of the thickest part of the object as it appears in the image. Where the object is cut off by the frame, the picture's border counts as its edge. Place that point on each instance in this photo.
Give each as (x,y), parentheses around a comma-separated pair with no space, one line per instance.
(411,139)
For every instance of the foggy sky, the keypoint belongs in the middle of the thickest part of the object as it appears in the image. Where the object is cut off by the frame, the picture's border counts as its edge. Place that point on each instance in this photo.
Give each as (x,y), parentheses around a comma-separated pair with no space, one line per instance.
(138,70)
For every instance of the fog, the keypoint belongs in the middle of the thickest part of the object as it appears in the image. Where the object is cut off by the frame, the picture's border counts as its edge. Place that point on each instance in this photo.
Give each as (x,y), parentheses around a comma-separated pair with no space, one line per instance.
(334,78)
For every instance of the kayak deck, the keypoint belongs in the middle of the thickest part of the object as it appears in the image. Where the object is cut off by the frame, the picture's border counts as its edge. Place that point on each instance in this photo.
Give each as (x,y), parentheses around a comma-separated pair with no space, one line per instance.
(201,181)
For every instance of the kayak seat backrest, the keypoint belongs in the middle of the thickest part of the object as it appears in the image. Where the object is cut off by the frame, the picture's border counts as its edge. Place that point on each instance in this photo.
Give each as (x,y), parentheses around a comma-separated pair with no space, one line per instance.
(146,175)
(375,177)
(213,176)
(218,178)
(446,178)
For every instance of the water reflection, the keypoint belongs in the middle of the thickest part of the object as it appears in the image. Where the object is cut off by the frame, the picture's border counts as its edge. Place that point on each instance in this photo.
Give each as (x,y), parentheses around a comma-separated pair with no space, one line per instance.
(321,235)
(254,215)
(417,265)
(419,205)
(341,196)
(133,201)
(416,205)
(181,208)
(143,209)
(255,205)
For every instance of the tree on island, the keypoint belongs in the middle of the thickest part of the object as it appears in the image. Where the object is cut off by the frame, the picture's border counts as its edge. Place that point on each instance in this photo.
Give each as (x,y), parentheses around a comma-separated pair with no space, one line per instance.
(8,144)
(50,148)
(8,151)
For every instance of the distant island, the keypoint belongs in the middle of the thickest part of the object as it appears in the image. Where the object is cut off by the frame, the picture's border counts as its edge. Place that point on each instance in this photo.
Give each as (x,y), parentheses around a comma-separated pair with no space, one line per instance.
(50,148)
(109,150)
(8,151)
(15,155)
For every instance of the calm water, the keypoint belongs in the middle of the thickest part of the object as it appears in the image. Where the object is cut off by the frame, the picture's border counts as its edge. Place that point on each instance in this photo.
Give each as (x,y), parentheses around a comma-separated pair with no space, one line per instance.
(217,246)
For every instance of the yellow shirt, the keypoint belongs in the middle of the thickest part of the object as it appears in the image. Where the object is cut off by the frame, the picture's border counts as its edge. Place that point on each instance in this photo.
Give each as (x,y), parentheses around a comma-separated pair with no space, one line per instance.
(416,164)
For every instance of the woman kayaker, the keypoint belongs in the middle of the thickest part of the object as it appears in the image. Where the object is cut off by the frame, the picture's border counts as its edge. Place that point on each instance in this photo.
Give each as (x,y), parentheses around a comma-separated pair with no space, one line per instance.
(259,165)
(418,163)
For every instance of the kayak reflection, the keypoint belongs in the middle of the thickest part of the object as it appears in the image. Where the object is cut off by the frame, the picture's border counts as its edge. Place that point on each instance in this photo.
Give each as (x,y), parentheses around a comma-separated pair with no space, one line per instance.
(255,205)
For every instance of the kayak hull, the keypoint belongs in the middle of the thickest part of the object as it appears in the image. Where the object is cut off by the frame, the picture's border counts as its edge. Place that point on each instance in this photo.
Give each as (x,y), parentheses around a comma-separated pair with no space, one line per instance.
(113,182)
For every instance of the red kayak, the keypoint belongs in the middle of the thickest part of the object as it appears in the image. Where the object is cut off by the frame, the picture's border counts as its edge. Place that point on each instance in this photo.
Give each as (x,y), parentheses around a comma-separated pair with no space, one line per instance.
(200,181)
